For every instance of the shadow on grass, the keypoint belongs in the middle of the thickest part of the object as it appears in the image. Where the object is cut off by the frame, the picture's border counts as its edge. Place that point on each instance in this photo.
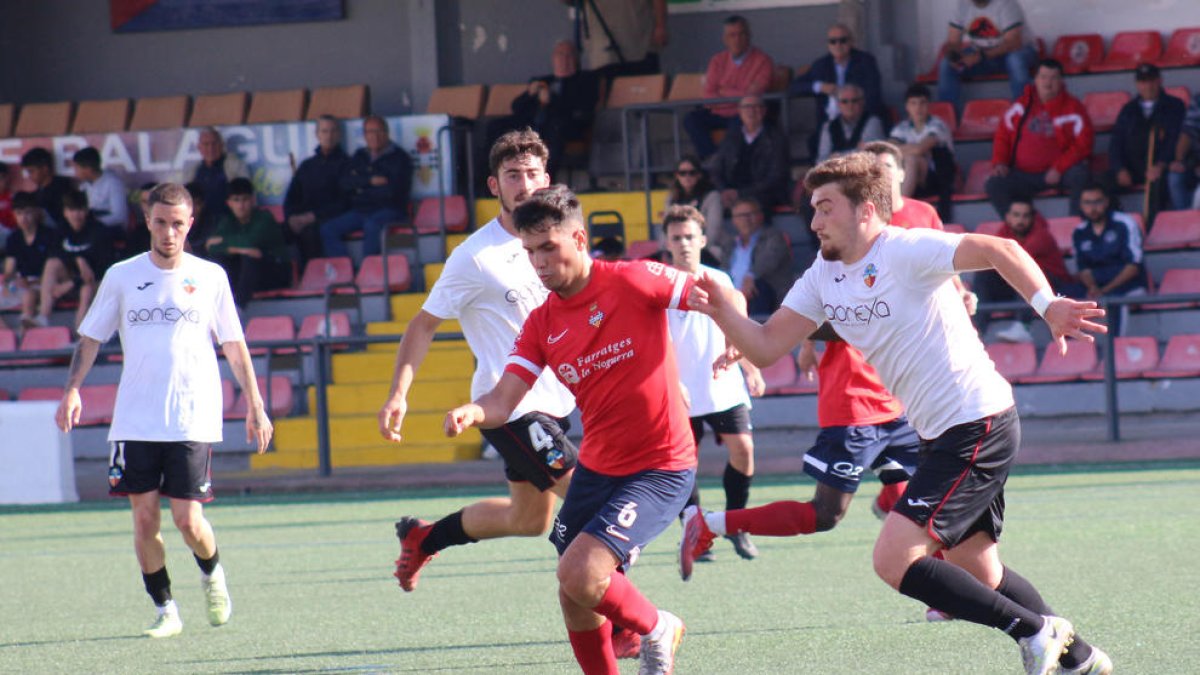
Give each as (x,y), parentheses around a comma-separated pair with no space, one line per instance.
(103,638)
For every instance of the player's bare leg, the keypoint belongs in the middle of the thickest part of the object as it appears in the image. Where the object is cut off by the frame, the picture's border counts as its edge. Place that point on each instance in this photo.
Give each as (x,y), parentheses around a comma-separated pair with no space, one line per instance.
(198,534)
(152,556)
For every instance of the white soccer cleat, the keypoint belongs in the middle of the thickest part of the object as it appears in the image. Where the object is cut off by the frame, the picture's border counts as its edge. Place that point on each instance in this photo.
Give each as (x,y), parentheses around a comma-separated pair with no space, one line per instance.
(1040,651)
(219,604)
(1097,663)
(168,624)
(659,647)
(935,615)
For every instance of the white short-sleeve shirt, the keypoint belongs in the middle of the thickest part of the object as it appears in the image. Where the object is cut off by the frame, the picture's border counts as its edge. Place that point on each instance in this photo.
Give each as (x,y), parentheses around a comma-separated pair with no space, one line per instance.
(490,287)
(170,387)
(698,343)
(898,307)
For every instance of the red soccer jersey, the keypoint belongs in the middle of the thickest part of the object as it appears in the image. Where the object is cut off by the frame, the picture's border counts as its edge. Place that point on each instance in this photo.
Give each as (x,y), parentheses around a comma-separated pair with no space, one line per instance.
(610,346)
(849,392)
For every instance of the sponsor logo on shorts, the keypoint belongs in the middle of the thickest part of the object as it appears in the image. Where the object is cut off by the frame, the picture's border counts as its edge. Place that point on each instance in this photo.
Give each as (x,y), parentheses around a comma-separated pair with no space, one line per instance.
(560,530)
(846,470)
(613,531)
(554,458)
(114,475)
(204,487)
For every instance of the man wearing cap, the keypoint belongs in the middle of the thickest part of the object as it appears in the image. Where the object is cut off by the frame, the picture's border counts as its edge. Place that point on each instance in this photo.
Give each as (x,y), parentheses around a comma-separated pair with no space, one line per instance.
(1152,111)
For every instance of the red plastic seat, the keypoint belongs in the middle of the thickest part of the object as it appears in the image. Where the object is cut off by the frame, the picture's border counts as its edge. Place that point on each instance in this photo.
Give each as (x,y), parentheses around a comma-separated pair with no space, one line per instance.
(945,111)
(320,273)
(314,324)
(1062,229)
(1104,106)
(370,275)
(780,375)
(642,249)
(1183,49)
(1174,230)
(991,227)
(1180,359)
(1079,360)
(8,341)
(228,398)
(1180,92)
(428,218)
(1013,360)
(44,338)
(281,397)
(1078,53)
(1135,356)
(270,328)
(1130,48)
(1179,281)
(98,401)
(973,187)
(980,118)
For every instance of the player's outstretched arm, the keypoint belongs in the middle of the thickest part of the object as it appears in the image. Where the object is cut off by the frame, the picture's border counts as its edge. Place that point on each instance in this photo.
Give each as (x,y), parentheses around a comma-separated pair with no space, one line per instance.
(762,344)
(258,425)
(490,410)
(70,407)
(409,355)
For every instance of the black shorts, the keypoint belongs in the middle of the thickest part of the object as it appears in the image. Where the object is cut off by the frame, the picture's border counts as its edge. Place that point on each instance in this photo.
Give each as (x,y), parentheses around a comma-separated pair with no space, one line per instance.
(535,449)
(736,420)
(958,488)
(177,469)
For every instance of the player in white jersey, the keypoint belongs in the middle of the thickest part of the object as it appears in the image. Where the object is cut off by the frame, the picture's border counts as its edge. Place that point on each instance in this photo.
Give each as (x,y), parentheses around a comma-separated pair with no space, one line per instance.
(887,292)
(719,399)
(168,306)
(490,287)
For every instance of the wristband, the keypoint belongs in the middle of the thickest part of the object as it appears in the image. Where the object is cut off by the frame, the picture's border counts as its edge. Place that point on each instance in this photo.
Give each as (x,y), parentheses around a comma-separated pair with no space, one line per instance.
(1041,301)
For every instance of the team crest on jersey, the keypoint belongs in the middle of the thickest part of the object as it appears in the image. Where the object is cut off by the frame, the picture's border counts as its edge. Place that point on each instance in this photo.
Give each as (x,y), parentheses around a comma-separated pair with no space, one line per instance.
(189,285)
(869,275)
(568,373)
(595,316)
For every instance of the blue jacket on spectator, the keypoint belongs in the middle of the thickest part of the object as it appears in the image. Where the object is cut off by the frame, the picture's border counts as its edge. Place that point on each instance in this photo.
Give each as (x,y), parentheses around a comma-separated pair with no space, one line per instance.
(1130,138)
(395,164)
(1107,253)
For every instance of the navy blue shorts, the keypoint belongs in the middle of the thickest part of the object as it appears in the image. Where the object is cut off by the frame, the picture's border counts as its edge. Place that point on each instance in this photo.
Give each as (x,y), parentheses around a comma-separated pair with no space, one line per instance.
(840,455)
(624,512)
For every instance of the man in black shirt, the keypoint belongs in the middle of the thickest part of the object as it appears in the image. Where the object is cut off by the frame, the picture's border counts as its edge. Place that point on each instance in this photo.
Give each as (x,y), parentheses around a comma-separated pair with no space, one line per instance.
(313,196)
(84,252)
(49,187)
(27,249)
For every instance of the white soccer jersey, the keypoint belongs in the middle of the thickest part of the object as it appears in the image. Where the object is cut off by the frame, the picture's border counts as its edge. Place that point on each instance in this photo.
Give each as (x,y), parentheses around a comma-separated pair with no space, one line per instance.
(898,307)
(698,343)
(490,287)
(170,386)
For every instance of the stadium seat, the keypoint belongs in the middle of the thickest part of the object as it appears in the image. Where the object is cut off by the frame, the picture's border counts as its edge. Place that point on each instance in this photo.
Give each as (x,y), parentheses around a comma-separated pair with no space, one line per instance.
(686,87)
(955,228)
(1180,92)
(101,117)
(973,187)
(1130,48)
(636,250)
(1078,53)
(429,215)
(780,375)
(1179,281)
(209,110)
(228,398)
(44,338)
(637,89)
(281,398)
(8,112)
(40,394)
(44,119)
(370,274)
(1062,229)
(1014,360)
(161,112)
(981,118)
(465,101)
(98,401)
(277,106)
(346,103)
(1079,360)
(500,99)
(1183,49)
(270,328)
(781,77)
(320,273)
(1174,230)
(1180,359)
(991,227)
(1135,356)
(8,341)
(314,324)
(1104,106)
(944,110)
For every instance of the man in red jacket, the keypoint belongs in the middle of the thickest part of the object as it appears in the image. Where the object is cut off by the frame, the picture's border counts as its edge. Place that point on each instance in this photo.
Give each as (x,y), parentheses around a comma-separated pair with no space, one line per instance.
(1043,141)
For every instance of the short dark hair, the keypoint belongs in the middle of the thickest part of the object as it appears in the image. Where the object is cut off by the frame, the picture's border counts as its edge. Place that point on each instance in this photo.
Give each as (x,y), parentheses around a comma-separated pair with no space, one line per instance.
(1021,199)
(515,144)
(881,148)
(548,208)
(88,158)
(24,200)
(37,157)
(170,194)
(861,178)
(736,19)
(681,213)
(75,199)
(748,200)
(917,90)
(239,187)
(1052,64)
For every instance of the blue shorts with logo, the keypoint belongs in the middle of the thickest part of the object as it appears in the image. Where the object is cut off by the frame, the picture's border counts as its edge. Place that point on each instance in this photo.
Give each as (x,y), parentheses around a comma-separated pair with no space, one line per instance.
(624,512)
(840,455)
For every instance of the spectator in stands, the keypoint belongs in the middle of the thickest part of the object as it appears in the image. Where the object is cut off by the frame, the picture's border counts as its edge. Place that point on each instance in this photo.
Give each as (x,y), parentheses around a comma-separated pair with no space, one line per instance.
(753,161)
(314,195)
(1028,228)
(560,106)
(844,64)
(106,194)
(1185,166)
(8,221)
(377,182)
(621,37)
(927,149)
(83,254)
(986,37)
(692,187)
(49,187)
(760,258)
(213,173)
(249,244)
(26,252)
(740,70)
(137,240)
(200,213)
(1043,141)
(852,127)
(1152,110)
(1108,252)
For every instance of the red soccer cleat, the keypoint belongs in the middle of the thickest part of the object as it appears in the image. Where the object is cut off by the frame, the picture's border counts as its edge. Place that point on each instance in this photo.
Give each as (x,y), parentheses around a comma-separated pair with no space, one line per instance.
(697,539)
(411,532)
(626,644)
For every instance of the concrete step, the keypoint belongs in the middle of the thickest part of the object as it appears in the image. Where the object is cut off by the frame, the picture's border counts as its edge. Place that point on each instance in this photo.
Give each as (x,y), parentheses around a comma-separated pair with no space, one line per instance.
(381,455)
(362,431)
(377,366)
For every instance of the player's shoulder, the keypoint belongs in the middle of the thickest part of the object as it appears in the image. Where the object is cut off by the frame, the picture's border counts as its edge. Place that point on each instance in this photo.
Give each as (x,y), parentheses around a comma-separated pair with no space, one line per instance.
(487,237)
(130,266)
(198,265)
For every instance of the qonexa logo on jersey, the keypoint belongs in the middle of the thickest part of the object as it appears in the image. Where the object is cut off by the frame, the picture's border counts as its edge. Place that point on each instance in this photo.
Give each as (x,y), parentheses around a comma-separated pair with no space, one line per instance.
(858,314)
(170,314)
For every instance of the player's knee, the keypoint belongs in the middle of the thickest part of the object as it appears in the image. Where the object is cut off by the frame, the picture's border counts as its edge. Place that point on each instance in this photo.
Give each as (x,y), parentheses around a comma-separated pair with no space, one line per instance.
(530,524)
(189,523)
(889,566)
(145,524)
(579,586)
(828,515)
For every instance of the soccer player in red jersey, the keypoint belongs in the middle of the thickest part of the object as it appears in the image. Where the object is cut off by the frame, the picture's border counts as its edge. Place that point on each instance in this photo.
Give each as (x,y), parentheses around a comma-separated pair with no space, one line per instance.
(603,332)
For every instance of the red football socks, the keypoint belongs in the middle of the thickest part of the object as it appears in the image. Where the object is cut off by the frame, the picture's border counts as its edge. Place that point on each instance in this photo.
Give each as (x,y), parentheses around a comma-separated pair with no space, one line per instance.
(624,604)
(888,496)
(777,519)
(593,650)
